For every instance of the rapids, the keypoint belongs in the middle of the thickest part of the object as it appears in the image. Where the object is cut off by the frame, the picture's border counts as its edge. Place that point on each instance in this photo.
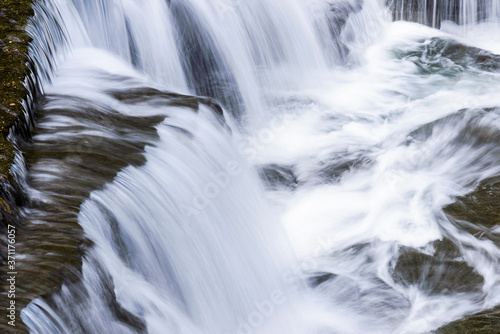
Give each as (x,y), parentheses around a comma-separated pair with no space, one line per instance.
(264,166)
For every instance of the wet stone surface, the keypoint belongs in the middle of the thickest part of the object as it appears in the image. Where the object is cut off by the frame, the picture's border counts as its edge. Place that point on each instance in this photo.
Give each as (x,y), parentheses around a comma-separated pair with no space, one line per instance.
(13,71)
(479,214)
(449,57)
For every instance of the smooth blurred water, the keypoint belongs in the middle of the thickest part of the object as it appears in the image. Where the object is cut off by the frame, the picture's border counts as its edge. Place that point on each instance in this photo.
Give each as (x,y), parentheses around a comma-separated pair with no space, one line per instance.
(434,12)
(303,193)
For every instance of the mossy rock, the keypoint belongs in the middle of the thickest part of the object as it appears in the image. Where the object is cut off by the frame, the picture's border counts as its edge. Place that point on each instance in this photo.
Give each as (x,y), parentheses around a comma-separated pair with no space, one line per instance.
(441,273)
(13,71)
(14,15)
(487,322)
(481,207)
(478,213)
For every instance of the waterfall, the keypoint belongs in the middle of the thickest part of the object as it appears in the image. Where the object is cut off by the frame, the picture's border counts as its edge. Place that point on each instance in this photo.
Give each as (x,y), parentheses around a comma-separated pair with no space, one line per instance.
(153,236)
(261,166)
(433,12)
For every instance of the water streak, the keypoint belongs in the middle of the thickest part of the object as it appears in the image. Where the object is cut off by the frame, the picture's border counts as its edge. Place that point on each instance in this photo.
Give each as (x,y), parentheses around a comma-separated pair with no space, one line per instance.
(265,166)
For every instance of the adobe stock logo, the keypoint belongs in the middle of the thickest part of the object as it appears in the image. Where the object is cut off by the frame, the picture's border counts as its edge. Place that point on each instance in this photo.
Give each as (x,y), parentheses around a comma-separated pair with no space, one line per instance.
(264,310)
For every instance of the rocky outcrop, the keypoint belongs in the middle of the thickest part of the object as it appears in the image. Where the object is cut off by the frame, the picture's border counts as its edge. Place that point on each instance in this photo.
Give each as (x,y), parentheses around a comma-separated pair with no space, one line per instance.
(478,213)
(480,323)
(449,57)
(15,103)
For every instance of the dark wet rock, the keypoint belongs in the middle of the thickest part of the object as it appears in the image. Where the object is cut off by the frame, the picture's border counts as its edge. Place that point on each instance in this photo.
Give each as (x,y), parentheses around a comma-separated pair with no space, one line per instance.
(449,57)
(166,98)
(278,176)
(71,315)
(443,272)
(7,110)
(54,249)
(487,322)
(360,289)
(161,98)
(16,39)
(151,95)
(13,71)
(320,278)
(478,212)
(471,131)
(9,200)
(481,207)
(334,171)
(465,55)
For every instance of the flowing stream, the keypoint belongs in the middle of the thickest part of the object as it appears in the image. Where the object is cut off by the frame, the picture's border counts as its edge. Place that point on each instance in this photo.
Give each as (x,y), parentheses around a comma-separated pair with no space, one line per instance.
(264,166)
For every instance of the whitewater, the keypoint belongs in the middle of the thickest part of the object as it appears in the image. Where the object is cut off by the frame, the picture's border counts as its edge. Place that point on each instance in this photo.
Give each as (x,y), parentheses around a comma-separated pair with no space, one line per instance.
(264,166)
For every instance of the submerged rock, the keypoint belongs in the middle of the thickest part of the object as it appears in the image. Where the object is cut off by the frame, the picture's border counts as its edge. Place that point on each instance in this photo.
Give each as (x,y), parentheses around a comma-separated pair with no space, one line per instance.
(443,272)
(449,57)
(479,214)
(278,176)
(481,208)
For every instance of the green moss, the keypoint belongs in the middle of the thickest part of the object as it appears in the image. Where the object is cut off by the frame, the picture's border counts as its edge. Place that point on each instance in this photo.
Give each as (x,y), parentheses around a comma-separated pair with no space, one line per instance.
(13,48)
(14,15)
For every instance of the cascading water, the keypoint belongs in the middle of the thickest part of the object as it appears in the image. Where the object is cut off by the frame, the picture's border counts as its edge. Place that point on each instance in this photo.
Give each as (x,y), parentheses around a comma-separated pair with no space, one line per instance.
(263,166)
(433,12)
